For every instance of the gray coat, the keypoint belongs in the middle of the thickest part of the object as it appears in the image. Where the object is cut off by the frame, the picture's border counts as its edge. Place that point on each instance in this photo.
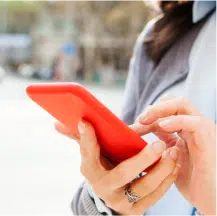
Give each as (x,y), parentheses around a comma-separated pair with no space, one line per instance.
(145,83)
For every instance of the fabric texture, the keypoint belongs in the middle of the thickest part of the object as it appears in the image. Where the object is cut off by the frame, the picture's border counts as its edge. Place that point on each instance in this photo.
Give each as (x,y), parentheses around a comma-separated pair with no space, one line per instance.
(82,203)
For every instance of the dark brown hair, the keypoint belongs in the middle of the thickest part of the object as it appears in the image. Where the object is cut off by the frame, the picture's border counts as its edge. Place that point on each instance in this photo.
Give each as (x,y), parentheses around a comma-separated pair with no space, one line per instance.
(176,21)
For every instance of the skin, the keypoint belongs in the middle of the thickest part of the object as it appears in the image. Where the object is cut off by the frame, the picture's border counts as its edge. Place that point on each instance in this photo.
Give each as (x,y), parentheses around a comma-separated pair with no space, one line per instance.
(196,139)
(109,182)
(187,147)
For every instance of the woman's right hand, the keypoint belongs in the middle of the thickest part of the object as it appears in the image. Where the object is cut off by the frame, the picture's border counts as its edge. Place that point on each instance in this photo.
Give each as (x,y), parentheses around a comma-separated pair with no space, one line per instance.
(109,182)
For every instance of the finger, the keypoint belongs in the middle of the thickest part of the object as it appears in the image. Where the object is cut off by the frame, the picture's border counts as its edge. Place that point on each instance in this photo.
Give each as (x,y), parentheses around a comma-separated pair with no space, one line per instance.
(151,181)
(167,108)
(89,147)
(126,171)
(197,126)
(93,166)
(142,129)
(62,129)
(162,99)
(182,122)
(169,138)
(152,198)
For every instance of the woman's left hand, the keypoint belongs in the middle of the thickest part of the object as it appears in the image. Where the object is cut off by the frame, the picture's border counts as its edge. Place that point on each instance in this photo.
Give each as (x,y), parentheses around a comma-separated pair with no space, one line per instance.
(196,139)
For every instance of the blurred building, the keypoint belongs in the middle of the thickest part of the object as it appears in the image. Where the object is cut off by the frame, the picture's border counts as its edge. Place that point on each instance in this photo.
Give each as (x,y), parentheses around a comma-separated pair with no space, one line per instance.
(15,48)
(15,41)
(81,39)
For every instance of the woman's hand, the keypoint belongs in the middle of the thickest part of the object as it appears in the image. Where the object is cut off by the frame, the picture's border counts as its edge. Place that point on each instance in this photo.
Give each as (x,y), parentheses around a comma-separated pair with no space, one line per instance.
(109,182)
(197,143)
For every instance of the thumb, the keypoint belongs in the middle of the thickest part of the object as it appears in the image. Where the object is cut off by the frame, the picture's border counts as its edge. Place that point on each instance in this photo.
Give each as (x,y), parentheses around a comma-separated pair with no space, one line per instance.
(88,141)
(62,129)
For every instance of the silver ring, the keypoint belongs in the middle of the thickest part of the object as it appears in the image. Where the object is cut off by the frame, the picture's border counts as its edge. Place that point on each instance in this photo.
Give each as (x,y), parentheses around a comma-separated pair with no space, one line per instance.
(132,197)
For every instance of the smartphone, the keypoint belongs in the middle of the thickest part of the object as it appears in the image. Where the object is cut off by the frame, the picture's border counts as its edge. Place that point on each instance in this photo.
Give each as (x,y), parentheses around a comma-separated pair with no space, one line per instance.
(71,102)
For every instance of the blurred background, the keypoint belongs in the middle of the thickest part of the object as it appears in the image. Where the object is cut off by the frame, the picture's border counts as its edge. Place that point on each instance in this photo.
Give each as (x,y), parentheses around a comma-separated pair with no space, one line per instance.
(90,42)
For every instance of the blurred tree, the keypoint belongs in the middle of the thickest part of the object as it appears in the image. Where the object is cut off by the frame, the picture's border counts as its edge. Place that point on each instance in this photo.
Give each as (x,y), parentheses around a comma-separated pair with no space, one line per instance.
(18,16)
(111,26)
(24,5)
(127,18)
(116,18)
(98,28)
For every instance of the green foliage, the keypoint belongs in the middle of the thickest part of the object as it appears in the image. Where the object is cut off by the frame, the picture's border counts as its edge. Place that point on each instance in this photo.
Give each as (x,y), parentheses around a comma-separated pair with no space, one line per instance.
(22,6)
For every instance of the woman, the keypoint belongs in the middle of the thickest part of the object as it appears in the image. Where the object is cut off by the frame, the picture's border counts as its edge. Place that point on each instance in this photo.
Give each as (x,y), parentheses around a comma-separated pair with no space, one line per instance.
(174,54)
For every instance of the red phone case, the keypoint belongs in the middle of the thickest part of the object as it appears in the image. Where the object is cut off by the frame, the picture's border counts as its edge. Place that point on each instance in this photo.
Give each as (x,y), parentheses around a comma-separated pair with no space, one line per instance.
(69,103)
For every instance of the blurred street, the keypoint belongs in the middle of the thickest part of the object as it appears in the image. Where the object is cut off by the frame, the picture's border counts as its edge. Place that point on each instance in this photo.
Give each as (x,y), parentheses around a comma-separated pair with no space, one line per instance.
(39,168)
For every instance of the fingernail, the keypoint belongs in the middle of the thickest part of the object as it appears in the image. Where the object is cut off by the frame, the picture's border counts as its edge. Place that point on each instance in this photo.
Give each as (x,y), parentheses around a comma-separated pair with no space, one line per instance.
(174,153)
(165,124)
(81,127)
(144,116)
(176,170)
(158,147)
(165,153)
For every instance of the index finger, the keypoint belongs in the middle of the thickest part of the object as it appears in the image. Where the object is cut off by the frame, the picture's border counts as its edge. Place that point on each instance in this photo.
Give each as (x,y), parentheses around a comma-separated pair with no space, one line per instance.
(167,108)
